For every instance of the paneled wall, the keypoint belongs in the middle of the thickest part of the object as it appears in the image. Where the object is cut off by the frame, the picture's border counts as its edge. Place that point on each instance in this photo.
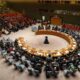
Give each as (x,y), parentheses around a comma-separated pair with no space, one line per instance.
(37,10)
(48,1)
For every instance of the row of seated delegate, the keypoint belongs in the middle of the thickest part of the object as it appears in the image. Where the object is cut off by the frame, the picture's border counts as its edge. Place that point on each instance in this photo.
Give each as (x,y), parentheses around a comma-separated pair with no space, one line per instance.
(13,22)
(72,27)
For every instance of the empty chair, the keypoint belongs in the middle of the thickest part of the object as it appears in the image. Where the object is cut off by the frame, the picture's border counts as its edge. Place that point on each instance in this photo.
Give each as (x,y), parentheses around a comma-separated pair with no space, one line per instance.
(26,63)
(10,61)
(36,73)
(33,71)
(4,53)
(55,72)
(66,73)
(10,58)
(21,67)
(48,71)
(48,74)
(72,69)
(16,64)
(30,70)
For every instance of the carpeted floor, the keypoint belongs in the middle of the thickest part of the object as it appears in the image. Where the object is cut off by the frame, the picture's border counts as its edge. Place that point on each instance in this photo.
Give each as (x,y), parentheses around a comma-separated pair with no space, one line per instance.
(8,72)
(55,43)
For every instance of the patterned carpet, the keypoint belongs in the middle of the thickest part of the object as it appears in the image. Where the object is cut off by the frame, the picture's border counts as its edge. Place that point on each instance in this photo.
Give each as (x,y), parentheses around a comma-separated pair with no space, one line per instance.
(55,43)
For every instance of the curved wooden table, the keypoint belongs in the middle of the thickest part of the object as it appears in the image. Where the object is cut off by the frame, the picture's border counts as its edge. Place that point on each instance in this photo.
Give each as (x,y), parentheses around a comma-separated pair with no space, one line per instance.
(54,53)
